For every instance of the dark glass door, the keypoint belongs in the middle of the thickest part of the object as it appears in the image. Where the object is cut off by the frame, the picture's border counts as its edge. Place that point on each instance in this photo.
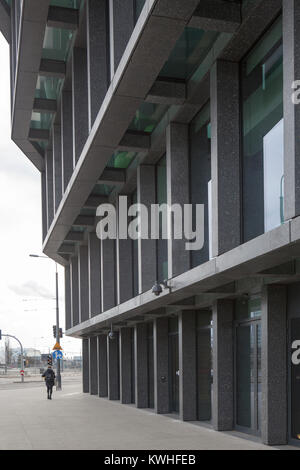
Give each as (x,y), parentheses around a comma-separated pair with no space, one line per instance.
(204,374)
(174,372)
(295,378)
(248,376)
(150,366)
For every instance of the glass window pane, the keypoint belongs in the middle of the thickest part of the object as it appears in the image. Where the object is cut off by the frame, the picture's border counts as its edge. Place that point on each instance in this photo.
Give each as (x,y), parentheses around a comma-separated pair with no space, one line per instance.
(75,4)
(121,159)
(190,50)
(41,120)
(161,198)
(262,94)
(139,5)
(247,309)
(57,43)
(243,364)
(48,87)
(147,117)
(102,190)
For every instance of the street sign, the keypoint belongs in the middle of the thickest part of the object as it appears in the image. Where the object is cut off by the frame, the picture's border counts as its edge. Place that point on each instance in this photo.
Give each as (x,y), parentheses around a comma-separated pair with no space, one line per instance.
(57,346)
(57,355)
(22,372)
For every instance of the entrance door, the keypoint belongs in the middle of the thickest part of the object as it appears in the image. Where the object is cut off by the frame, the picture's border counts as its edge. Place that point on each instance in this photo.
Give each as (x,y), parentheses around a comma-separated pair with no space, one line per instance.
(173,365)
(204,366)
(248,376)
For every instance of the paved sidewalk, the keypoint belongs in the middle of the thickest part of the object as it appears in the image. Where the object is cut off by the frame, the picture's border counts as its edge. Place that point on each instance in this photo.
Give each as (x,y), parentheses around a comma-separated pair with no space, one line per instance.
(76,421)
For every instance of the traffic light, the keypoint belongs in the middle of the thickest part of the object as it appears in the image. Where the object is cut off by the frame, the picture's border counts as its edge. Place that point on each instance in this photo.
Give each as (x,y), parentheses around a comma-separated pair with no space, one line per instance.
(54,331)
(49,360)
(60,333)
(0,335)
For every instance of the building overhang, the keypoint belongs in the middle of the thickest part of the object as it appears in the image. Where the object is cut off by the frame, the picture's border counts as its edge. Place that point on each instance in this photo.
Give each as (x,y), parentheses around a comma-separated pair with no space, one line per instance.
(5,20)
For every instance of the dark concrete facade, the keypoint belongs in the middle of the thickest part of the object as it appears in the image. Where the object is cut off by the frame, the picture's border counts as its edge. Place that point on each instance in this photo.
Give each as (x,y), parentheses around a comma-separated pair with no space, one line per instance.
(126,99)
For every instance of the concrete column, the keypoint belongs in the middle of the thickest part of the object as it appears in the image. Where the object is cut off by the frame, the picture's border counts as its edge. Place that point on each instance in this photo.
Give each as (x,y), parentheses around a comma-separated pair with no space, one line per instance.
(85,366)
(93,363)
(274,366)
(94,267)
(177,192)
(146,194)
(79,101)
(97,55)
(57,165)
(44,203)
(102,365)
(121,27)
(124,254)
(68,302)
(223,384)
(108,273)
(113,368)
(49,186)
(161,365)
(225,156)
(74,291)
(66,137)
(83,283)
(291,71)
(187,366)
(125,365)
(141,365)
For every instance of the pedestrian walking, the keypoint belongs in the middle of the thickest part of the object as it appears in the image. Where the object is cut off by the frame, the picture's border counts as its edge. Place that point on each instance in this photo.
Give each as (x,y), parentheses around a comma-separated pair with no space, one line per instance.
(49,380)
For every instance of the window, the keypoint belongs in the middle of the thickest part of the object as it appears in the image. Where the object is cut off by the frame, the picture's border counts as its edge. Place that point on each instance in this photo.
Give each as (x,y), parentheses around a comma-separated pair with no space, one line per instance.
(161,198)
(262,97)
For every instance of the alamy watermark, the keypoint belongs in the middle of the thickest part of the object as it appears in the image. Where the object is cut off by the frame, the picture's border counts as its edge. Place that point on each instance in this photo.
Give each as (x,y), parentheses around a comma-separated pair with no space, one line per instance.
(160,221)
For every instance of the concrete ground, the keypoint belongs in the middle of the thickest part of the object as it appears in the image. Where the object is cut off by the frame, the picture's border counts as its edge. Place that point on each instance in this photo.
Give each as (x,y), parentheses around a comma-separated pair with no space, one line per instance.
(73,420)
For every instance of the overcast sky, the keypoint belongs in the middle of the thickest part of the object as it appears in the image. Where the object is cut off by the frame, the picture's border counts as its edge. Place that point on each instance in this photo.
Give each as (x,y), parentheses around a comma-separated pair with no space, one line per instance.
(27,285)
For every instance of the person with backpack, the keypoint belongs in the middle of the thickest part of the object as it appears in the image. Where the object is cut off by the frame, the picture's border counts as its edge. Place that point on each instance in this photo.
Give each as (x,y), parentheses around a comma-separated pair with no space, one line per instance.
(49,380)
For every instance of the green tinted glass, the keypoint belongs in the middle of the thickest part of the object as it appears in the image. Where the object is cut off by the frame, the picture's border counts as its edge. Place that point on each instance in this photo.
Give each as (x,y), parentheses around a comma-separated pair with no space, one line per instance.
(75,4)
(189,51)
(147,117)
(102,190)
(139,5)
(121,159)
(41,120)
(57,43)
(48,87)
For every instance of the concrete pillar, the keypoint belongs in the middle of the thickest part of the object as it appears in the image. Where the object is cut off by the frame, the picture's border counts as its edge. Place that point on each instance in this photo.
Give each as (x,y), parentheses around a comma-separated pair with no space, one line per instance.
(57,165)
(93,363)
(66,137)
(49,186)
(83,283)
(141,365)
(187,366)
(94,269)
(225,156)
(161,365)
(125,365)
(108,272)
(44,203)
(113,368)
(124,254)
(223,383)
(97,55)
(274,366)
(85,366)
(79,101)
(291,111)
(102,365)
(177,192)
(68,303)
(74,291)
(146,194)
(121,14)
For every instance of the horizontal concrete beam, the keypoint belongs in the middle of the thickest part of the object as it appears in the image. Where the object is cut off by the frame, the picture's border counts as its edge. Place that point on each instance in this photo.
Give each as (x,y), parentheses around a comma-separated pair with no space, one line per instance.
(217,15)
(135,142)
(53,68)
(45,106)
(5,20)
(66,249)
(84,221)
(167,92)
(94,201)
(64,18)
(113,175)
(38,135)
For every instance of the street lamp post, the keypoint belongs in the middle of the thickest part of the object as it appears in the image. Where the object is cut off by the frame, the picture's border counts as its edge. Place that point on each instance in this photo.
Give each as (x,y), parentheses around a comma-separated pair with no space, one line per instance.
(58,375)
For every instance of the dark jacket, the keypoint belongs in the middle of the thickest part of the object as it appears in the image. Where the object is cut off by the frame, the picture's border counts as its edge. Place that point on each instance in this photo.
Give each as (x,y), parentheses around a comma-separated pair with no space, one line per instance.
(49,377)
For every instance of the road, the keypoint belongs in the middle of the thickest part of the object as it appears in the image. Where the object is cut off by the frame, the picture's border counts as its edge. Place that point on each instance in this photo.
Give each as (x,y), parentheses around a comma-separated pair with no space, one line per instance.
(73,420)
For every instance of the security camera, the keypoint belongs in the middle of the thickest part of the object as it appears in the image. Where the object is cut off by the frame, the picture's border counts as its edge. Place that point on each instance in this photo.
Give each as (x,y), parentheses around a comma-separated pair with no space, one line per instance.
(111,335)
(157,289)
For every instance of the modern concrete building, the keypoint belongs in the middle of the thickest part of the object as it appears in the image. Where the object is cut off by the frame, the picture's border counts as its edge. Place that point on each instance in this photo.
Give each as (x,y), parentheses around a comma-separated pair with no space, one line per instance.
(177,101)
